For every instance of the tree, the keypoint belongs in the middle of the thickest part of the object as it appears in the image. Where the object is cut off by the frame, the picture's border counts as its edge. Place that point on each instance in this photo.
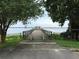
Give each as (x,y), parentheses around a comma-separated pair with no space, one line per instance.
(13,10)
(62,10)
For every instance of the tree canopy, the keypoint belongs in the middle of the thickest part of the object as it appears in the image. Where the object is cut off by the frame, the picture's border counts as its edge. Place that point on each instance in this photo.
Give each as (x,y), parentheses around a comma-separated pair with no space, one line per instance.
(13,10)
(61,10)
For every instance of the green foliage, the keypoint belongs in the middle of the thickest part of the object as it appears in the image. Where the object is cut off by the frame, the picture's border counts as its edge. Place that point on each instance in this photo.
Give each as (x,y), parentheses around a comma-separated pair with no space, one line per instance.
(57,37)
(61,10)
(18,10)
(12,11)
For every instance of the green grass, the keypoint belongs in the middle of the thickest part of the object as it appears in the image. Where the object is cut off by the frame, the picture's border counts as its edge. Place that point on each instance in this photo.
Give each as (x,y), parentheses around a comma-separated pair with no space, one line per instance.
(66,42)
(11,41)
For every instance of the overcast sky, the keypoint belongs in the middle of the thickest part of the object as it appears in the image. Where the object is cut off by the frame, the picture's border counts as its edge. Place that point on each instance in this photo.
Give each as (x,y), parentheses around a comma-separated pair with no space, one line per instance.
(44,21)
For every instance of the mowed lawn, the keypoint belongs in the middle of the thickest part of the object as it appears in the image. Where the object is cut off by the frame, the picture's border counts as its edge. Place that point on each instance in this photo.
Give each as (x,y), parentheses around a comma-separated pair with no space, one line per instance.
(11,41)
(66,42)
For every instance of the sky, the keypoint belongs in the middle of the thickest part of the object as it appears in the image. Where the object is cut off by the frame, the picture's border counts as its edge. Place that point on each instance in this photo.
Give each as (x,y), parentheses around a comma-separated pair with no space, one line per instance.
(43,21)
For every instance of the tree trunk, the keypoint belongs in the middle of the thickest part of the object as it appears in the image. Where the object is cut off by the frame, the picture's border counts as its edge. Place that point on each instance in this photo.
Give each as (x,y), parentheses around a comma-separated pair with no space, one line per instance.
(75,31)
(3,36)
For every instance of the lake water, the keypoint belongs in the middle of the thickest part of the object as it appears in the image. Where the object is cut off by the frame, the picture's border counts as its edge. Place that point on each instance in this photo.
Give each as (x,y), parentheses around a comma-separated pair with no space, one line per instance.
(19,27)
(14,30)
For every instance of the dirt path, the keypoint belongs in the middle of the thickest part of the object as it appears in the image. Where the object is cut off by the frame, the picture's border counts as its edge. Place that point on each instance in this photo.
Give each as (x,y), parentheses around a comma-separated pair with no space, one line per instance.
(40,50)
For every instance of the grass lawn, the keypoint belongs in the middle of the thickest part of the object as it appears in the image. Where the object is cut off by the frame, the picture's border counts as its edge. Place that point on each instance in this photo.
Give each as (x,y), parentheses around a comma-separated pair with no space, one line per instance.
(11,41)
(66,42)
